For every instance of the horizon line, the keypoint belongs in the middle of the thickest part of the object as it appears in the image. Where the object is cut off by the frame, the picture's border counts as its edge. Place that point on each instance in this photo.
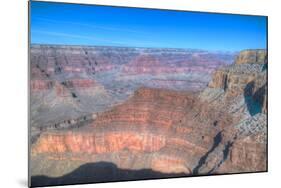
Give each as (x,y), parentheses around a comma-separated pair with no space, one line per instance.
(143,47)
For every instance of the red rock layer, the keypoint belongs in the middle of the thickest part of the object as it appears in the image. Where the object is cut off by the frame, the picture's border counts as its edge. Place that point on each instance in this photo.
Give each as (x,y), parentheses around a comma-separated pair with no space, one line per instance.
(62,88)
(40,85)
(91,143)
(56,60)
(156,122)
(149,64)
(79,83)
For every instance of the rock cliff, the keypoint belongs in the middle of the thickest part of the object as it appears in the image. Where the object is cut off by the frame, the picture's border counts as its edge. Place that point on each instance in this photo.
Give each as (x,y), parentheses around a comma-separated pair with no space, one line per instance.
(241,89)
(169,130)
(252,57)
(248,77)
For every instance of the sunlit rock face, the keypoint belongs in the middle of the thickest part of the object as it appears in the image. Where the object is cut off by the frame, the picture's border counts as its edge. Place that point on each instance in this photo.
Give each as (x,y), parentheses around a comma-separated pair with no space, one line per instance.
(221,129)
(162,126)
(99,143)
(252,57)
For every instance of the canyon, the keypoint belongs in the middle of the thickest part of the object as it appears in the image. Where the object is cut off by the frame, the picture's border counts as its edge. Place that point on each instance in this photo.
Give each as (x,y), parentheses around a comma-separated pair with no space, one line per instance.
(70,82)
(150,113)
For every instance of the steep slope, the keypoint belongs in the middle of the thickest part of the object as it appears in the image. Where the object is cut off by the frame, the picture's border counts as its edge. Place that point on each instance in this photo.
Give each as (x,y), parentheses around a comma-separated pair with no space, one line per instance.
(166,130)
(241,90)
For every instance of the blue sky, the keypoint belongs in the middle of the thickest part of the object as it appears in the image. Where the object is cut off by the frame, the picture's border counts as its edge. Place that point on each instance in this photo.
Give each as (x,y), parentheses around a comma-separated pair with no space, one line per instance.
(74,24)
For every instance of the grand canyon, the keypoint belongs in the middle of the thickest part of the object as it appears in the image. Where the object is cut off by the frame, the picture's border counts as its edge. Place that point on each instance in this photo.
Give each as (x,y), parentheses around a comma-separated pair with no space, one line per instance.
(101,113)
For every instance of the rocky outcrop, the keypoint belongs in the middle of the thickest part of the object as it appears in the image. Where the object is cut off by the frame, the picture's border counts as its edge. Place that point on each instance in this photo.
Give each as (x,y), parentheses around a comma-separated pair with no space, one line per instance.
(248,77)
(252,57)
(241,89)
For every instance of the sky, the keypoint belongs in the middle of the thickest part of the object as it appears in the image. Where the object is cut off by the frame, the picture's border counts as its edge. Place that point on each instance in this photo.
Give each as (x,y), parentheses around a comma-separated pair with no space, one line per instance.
(74,24)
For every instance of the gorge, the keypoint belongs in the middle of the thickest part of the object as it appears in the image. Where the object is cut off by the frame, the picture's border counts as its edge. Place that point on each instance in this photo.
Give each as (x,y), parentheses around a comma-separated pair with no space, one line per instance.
(145,113)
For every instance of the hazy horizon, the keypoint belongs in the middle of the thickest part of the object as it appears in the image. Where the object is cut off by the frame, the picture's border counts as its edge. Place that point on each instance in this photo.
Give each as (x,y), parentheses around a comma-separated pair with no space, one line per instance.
(143,47)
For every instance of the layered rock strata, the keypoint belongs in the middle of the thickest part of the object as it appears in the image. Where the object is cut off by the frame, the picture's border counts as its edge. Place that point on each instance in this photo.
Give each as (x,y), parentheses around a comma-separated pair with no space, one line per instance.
(159,126)
(222,129)
(69,82)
